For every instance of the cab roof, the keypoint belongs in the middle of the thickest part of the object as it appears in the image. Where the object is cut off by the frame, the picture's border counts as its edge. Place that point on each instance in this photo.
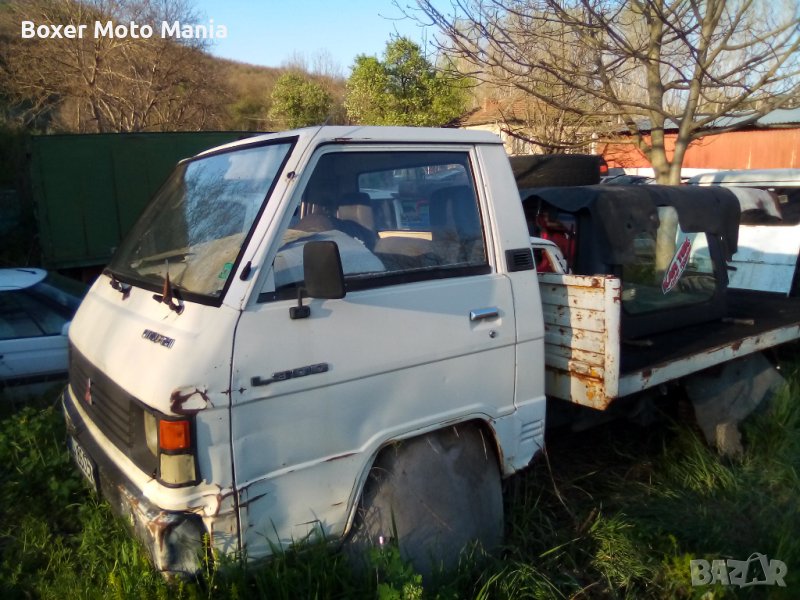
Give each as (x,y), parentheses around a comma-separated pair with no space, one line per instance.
(375,134)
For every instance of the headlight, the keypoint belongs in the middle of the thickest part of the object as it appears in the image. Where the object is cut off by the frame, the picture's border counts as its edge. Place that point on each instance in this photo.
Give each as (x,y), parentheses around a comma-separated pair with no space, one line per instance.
(151,432)
(170,441)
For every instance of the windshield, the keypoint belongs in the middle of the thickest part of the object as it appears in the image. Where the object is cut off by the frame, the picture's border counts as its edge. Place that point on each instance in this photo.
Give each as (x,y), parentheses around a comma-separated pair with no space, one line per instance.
(196,224)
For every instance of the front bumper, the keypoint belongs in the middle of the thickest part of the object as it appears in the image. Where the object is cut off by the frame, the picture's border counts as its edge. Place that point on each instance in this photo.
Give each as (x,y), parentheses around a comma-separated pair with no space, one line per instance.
(174,539)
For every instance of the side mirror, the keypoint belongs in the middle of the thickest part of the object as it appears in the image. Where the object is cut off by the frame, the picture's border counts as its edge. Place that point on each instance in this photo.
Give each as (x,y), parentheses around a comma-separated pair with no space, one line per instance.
(324,278)
(322,270)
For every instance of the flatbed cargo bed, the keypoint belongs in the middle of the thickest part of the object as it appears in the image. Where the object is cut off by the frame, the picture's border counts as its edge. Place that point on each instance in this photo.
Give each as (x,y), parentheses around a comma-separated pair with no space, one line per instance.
(588,363)
(750,314)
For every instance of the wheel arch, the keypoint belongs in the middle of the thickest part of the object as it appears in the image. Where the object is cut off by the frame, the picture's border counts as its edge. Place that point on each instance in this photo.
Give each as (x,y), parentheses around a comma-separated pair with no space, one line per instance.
(483,426)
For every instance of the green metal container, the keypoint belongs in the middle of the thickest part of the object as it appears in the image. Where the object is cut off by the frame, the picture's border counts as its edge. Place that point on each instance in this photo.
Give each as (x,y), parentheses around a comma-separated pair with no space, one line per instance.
(89,190)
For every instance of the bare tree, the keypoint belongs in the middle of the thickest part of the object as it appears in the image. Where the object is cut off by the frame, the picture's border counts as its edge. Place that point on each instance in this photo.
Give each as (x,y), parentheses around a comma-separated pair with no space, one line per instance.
(536,126)
(320,64)
(696,66)
(107,82)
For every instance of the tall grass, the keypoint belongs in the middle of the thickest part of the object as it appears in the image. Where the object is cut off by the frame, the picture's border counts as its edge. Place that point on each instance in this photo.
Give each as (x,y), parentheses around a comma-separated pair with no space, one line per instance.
(56,540)
(617,512)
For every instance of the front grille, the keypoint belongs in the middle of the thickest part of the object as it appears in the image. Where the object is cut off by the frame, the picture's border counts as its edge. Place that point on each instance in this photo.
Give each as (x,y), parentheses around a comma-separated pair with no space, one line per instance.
(118,414)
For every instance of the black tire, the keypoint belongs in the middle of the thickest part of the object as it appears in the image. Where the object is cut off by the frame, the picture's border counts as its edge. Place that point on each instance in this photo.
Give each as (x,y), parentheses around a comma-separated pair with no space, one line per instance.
(433,496)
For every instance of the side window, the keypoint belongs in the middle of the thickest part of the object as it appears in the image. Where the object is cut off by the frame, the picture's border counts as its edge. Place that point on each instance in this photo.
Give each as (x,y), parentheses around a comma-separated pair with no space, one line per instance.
(688,279)
(23,316)
(396,216)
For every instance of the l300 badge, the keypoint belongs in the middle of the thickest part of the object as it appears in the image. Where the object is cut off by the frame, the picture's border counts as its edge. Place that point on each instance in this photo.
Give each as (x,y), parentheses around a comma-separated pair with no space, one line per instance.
(291,374)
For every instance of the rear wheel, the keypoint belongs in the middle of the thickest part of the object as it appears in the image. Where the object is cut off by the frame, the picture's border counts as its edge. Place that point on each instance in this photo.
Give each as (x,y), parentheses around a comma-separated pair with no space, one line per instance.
(432,496)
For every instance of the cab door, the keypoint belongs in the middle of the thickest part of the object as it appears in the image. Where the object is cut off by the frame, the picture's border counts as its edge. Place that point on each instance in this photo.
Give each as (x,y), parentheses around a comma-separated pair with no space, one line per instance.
(424,336)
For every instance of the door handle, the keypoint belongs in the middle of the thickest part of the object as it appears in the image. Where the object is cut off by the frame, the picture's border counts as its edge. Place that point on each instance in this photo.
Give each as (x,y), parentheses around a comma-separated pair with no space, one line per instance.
(479,314)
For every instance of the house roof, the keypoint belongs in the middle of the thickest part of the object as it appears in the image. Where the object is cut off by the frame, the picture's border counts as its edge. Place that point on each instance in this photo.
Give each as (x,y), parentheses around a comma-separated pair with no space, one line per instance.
(775,118)
(510,110)
(779,116)
(494,111)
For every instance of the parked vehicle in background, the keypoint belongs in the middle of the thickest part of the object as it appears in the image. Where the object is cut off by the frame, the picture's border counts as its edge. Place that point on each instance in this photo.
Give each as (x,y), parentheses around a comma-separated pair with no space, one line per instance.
(769,237)
(783,182)
(625,179)
(36,308)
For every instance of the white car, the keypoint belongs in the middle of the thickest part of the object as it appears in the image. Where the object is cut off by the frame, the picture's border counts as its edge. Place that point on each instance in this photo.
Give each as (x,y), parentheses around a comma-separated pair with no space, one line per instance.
(36,308)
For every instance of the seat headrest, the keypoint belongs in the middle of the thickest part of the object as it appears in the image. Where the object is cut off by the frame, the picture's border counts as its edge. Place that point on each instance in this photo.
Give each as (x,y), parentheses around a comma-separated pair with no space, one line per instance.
(455,208)
(360,198)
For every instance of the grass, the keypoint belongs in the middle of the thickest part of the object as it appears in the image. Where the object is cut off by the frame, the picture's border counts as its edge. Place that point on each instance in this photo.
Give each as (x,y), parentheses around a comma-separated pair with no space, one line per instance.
(617,512)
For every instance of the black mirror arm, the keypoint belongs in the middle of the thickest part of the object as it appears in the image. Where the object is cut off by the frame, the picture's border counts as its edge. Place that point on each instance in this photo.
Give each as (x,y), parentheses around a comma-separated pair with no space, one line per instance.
(300,311)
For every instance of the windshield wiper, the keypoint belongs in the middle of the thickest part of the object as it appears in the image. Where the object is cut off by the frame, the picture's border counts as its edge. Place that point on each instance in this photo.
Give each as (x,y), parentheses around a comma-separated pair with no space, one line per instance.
(122,288)
(167,295)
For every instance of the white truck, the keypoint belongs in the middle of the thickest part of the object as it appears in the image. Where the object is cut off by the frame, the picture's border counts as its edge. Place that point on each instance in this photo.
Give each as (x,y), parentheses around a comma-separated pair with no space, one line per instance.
(769,239)
(339,331)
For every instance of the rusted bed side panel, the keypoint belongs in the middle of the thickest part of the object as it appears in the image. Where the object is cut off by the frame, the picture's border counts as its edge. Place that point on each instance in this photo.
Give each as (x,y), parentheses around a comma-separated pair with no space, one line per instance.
(582,342)
(582,318)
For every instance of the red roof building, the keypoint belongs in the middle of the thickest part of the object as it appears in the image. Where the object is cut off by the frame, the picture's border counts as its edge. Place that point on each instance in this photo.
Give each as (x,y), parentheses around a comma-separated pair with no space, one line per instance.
(773,142)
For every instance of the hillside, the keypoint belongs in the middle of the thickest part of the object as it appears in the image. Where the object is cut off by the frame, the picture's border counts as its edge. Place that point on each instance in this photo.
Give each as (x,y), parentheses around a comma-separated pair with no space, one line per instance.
(103,85)
(250,90)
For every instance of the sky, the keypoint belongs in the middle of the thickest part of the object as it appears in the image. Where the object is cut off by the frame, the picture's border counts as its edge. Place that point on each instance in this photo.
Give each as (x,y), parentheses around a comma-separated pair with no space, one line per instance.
(269,32)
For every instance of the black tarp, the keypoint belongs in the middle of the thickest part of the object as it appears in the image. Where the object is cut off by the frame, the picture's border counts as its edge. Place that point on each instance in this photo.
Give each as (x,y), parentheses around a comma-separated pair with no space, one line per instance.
(619,213)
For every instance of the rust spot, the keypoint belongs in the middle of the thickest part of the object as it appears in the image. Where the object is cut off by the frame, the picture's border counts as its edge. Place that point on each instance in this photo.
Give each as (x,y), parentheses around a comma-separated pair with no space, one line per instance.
(645,376)
(221,497)
(594,391)
(495,445)
(157,527)
(177,400)
(736,345)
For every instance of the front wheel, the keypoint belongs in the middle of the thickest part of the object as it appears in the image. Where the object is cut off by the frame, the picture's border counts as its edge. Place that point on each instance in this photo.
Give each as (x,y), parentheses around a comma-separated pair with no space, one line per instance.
(432,496)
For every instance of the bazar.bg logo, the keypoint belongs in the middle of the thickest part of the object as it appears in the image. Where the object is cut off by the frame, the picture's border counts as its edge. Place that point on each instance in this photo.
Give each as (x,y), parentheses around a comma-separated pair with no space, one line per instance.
(756,570)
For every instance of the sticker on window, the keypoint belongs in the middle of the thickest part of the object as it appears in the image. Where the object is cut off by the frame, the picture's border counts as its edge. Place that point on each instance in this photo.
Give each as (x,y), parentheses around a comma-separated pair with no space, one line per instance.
(677,266)
(226,270)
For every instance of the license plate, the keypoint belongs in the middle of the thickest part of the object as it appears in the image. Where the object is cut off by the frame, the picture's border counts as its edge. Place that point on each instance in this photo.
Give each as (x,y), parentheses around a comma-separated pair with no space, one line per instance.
(85,464)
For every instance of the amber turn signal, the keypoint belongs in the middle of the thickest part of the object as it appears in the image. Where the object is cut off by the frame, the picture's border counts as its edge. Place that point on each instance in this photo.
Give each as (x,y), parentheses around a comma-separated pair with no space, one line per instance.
(174,435)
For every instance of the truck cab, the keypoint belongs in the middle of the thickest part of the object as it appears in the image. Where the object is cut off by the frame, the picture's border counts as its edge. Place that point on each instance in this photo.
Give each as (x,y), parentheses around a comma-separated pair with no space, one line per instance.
(770,233)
